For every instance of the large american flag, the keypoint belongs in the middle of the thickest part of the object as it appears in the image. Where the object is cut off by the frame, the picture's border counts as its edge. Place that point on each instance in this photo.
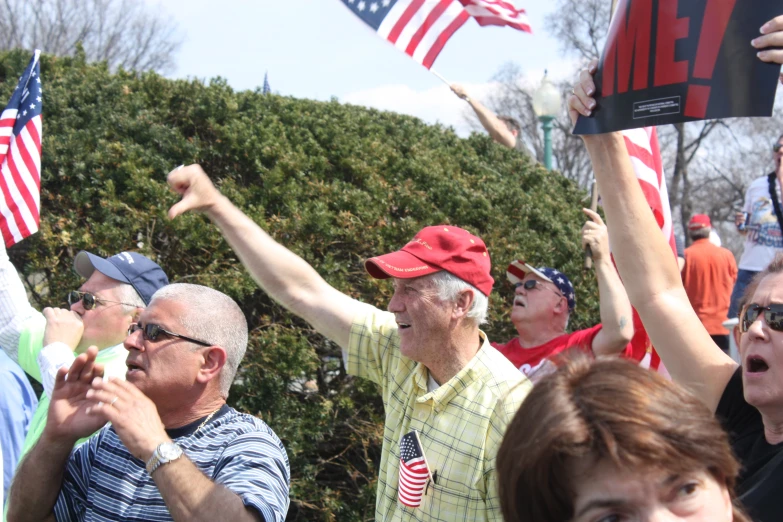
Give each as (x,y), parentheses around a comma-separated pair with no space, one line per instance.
(419,28)
(20,156)
(497,12)
(645,152)
(414,472)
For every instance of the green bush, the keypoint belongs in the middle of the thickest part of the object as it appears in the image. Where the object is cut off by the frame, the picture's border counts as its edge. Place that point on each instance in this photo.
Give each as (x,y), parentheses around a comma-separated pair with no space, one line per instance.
(334,183)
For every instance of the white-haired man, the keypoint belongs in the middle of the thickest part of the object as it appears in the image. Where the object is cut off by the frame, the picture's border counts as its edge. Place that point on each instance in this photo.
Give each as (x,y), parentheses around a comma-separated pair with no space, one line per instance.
(174,449)
(544,299)
(439,377)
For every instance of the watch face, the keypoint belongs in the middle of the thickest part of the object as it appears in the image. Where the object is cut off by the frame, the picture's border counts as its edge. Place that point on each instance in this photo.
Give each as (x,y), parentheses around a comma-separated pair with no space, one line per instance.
(169,451)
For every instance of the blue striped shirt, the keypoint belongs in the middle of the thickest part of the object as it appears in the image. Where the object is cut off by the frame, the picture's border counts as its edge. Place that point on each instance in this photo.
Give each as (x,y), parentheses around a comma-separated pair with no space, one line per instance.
(103,481)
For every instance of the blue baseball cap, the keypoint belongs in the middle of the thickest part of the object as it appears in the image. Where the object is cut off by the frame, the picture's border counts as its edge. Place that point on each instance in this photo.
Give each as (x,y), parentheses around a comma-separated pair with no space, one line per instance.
(143,274)
(517,270)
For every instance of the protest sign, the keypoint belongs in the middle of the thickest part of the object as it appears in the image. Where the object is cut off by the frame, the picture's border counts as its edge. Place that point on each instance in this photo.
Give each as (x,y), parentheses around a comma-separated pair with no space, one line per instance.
(672,61)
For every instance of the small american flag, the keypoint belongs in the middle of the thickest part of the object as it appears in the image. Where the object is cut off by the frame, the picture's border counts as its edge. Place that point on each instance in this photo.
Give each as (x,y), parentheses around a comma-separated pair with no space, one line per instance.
(419,28)
(497,12)
(414,471)
(645,153)
(20,157)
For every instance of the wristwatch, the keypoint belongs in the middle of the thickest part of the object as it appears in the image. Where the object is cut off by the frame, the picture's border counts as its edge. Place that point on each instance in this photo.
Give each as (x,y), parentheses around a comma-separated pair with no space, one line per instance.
(163,454)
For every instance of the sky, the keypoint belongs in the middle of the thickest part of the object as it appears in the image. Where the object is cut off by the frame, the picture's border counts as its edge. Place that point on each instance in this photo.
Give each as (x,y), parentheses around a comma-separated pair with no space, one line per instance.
(318,49)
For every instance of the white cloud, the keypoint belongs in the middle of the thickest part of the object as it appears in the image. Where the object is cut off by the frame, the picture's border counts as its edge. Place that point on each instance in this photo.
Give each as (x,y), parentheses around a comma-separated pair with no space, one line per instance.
(438,104)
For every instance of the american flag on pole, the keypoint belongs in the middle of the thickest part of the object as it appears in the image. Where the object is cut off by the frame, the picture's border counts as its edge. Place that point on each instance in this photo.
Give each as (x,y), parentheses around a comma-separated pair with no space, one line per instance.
(497,12)
(419,28)
(414,471)
(645,153)
(20,157)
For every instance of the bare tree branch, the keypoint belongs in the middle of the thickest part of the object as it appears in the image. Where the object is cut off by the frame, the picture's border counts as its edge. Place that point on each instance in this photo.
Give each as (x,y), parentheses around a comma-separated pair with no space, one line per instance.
(124,33)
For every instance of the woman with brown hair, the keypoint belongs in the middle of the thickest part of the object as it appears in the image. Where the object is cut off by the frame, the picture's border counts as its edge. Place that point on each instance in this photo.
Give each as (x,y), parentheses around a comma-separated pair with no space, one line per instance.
(747,399)
(614,442)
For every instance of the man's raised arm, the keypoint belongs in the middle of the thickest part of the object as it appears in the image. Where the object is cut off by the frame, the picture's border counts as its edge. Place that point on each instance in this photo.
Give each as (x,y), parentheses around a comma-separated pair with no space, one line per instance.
(286,277)
(649,271)
(616,312)
(496,127)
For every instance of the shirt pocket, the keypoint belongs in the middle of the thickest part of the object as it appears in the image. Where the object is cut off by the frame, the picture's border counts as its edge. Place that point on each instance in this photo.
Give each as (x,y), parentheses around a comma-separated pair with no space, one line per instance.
(448,504)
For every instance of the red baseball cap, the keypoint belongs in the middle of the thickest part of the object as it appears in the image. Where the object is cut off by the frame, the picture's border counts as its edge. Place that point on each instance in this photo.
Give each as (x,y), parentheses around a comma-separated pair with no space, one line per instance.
(437,248)
(699,221)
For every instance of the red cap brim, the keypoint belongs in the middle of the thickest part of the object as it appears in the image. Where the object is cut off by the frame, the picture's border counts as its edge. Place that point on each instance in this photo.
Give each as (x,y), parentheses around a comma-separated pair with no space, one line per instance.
(400,264)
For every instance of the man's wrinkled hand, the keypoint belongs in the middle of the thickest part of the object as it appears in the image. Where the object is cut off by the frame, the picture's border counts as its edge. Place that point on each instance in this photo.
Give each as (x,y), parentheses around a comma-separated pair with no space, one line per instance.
(596,236)
(133,415)
(197,191)
(62,326)
(69,418)
(581,100)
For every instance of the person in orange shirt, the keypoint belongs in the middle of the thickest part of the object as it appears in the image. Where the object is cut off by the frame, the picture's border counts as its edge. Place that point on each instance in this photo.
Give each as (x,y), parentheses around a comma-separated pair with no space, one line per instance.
(709,275)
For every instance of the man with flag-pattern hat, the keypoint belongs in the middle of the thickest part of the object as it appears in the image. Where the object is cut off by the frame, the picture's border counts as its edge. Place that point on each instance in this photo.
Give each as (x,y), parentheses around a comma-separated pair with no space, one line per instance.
(544,299)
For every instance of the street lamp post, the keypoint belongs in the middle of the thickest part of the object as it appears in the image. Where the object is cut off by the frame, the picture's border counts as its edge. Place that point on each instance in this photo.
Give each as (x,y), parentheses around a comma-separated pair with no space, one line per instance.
(546,104)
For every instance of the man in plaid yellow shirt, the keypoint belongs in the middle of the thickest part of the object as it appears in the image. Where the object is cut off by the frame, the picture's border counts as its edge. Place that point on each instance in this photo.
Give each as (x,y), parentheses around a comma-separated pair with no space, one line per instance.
(437,372)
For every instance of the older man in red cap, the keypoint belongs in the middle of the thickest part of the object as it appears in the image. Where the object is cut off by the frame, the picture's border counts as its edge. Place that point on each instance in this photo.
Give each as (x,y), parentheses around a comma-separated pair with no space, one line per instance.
(708,276)
(447,394)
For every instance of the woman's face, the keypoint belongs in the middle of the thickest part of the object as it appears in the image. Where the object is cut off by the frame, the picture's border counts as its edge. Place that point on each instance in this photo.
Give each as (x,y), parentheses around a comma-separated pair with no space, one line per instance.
(605,493)
(761,351)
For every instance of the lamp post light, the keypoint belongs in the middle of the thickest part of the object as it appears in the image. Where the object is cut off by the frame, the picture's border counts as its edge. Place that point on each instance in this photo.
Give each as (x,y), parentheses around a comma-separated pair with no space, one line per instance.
(546,104)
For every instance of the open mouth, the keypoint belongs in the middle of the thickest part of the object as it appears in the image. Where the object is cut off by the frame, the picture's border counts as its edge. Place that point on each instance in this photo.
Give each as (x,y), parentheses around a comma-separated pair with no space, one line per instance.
(518,302)
(756,365)
(132,366)
(403,326)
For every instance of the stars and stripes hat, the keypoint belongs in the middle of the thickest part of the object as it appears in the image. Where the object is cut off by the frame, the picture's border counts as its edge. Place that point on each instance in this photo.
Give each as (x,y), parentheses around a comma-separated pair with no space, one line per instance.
(518,269)
(441,247)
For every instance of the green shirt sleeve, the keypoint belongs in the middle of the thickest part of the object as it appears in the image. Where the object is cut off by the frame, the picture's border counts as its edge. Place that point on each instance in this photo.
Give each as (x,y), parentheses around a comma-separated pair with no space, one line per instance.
(31,344)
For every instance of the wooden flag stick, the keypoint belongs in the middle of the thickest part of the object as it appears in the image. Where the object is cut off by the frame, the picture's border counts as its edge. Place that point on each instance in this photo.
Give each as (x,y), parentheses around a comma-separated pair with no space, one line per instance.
(439,77)
(593,207)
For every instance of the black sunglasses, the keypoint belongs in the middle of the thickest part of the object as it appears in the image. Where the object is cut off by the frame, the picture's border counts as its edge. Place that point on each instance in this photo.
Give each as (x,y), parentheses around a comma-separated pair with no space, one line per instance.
(773,316)
(776,147)
(152,331)
(531,284)
(89,301)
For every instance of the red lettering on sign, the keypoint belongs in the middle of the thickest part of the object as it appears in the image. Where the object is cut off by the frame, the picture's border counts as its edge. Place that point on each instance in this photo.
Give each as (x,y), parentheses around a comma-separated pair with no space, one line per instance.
(713,29)
(670,29)
(630,45)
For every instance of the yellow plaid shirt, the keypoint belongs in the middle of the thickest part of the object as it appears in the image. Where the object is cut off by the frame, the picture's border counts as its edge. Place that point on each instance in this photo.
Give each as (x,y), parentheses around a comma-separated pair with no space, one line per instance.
(460,424)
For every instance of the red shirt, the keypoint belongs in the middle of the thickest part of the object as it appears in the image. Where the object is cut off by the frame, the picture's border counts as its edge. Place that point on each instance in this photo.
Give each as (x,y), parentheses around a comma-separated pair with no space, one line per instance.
(528,360)
(708,276)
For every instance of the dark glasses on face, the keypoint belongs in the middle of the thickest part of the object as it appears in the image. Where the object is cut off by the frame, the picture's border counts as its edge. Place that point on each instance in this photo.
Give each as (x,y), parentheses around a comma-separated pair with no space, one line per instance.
(773,316)
(776,147)
(532,284)
(152,331)
(90,301)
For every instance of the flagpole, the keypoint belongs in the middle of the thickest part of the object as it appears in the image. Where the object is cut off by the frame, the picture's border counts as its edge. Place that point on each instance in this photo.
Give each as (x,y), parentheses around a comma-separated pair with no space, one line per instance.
(441,78)
(593,207)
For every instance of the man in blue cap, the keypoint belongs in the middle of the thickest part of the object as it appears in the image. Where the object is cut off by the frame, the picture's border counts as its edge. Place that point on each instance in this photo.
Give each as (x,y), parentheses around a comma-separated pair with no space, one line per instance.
(544,299)
(115,292)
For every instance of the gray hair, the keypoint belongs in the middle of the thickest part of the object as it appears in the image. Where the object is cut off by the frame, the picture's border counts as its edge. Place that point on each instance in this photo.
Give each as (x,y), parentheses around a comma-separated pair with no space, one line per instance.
(700,233)
(450,286)
(213,317)
(125,293)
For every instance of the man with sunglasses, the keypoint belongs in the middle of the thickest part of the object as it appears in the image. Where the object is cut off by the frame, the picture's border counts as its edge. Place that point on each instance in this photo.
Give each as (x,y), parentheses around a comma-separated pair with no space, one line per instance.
(544,299)
(760,223)
(116,289)
(174,449)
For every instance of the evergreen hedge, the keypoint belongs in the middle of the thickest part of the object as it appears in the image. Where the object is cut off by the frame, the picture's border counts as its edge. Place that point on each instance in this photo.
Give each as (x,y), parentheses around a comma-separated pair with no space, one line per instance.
(335,183)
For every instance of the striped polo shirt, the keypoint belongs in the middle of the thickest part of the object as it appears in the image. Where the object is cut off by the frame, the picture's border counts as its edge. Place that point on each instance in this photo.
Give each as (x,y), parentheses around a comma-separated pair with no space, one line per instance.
(103,481)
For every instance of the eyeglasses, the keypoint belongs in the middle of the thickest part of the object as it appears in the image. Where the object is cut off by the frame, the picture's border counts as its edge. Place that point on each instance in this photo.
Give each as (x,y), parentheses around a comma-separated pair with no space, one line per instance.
(90,301)
(532,284)
(152,331)
(776,147)
(773,316)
